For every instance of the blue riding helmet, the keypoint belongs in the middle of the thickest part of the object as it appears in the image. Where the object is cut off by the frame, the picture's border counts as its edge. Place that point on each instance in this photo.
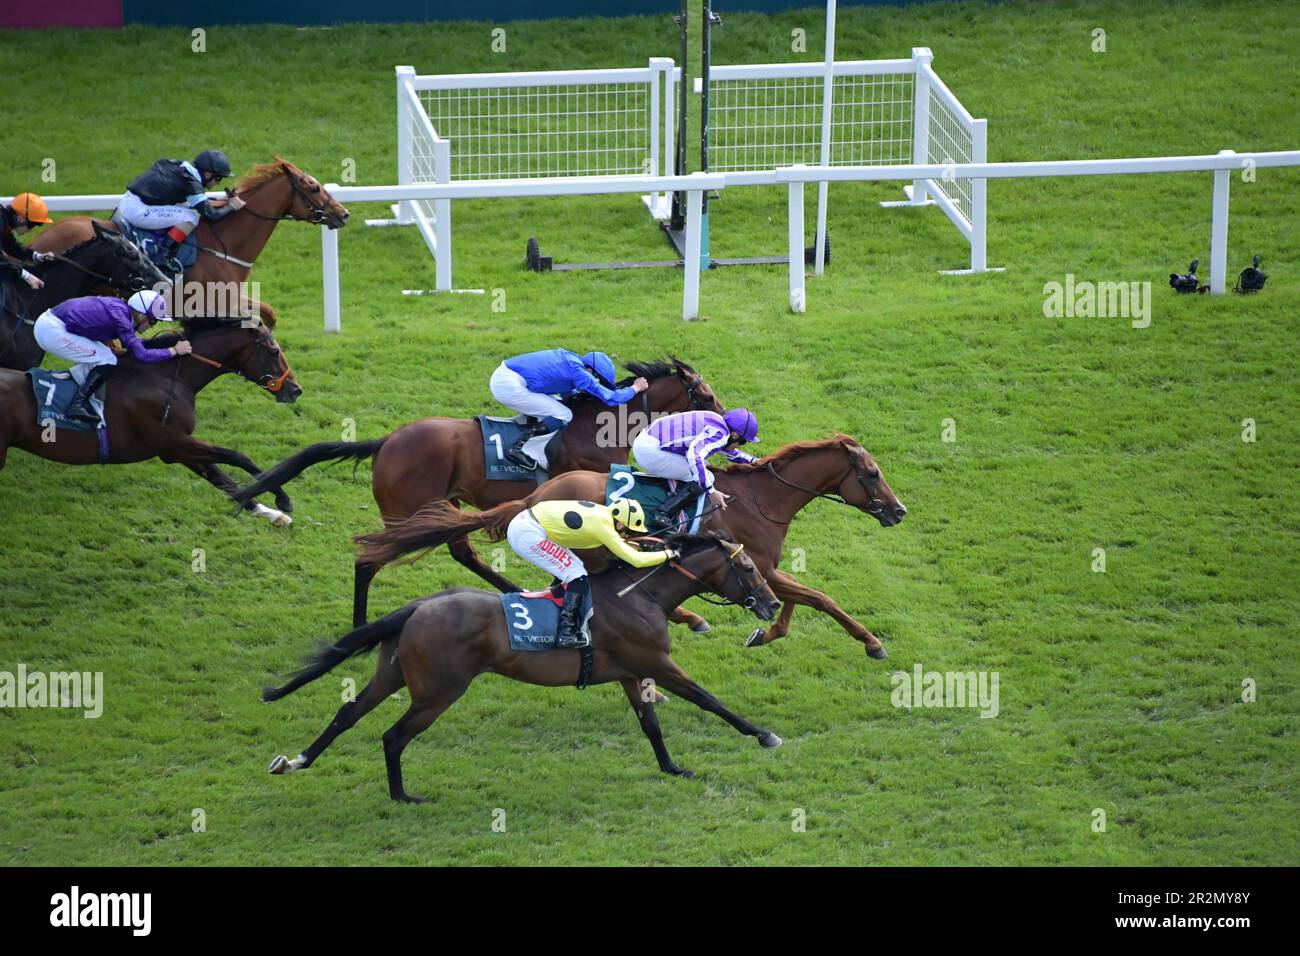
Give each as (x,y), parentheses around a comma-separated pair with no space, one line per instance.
(603,366)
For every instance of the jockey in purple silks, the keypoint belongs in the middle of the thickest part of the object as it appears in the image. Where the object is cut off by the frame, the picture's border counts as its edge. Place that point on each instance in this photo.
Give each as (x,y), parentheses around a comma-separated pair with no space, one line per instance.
(676,446)
(530,383)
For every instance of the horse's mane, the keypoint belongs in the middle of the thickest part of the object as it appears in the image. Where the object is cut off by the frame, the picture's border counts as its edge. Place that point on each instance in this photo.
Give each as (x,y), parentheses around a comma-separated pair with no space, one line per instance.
(658,368)
(792,451)
(262,173)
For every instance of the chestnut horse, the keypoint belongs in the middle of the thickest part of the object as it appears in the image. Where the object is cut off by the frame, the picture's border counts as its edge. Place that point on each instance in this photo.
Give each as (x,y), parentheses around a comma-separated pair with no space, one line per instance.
(763,498)
(436,458)
(228,249)
(437,645)
(150,409)
(105,259)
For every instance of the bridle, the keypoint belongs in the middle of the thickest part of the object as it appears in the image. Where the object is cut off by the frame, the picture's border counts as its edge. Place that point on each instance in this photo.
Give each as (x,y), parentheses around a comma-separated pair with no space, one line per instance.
(296,192)
(272,383)
(751,593)
(874,505)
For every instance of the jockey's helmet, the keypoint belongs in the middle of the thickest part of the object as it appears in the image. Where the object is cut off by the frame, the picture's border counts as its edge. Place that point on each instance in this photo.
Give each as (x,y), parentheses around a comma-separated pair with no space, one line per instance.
(602,365)
(629,513)
(743,423)
(150,303)
(31,208)
(213,161)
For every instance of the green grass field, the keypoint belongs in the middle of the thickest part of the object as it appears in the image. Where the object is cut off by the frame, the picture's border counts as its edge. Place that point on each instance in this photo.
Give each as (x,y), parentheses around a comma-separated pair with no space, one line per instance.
(1119,691)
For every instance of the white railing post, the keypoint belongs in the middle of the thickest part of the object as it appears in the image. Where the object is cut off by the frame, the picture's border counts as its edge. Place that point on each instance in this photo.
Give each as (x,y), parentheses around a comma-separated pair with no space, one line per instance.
(1219,229)
(979,143)
(442,217)
(921,59)
(405,76)
(794,216)
(660,85)
(329,262)
(691,264)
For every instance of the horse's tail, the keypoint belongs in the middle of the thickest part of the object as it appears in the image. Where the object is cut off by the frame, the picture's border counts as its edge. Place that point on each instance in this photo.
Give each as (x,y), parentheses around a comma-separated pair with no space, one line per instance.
(434,524)
(297,463)
(357,641)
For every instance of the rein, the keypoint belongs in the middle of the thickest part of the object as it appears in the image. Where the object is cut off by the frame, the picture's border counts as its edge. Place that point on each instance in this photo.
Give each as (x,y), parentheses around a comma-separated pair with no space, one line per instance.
(317,216)
(271,384)
(874,505)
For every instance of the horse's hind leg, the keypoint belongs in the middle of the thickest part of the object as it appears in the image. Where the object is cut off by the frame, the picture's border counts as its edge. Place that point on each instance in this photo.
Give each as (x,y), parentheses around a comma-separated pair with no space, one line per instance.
(388,679)
(362,575)
(423,711)
(463,551)
(237,459)
(645,713)
(676,679)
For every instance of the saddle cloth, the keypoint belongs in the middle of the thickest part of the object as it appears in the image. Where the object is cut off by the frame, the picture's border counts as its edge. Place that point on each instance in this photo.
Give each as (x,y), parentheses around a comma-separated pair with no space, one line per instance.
(533,617)
(652,492)
(498,435)
(54,392)
(152,243)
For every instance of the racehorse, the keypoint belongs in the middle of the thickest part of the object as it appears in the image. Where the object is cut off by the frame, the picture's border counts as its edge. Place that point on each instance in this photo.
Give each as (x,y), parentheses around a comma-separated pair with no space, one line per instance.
(150,408)
(436,458)
(105,259)
(763,496)
(437,645)
(228,249)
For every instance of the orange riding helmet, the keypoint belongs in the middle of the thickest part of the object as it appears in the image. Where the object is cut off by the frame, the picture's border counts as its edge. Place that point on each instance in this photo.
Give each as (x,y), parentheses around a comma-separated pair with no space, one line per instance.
(32,208)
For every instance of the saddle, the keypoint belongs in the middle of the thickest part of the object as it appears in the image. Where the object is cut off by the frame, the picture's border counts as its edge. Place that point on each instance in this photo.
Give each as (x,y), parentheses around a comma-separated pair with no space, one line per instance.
(532,620)
(653,492)
(499,434)
(155,244)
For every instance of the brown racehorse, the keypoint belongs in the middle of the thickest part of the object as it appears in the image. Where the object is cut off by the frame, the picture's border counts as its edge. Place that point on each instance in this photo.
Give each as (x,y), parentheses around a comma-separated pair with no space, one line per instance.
(437,645)
(764,497)
(105,259)
(228,249)
(151,408)
(436,458)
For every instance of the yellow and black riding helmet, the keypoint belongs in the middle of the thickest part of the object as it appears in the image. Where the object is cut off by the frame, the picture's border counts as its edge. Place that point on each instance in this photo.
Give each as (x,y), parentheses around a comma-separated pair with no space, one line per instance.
(629,514)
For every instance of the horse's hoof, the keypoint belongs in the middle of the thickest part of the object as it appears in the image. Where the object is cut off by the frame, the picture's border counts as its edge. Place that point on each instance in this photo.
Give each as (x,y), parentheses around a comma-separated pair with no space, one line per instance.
(409,798)
(683,773)
(877,653)
(701,628)
(755,639)
(770,739)
(661,698)
(279,765)
(286,506)
(278,519)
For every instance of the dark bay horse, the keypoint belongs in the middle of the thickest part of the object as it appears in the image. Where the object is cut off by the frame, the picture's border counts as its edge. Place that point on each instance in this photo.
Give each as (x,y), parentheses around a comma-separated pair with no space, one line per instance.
(151,408)
(227,249)
(436,458)
(437,645)
(105,259)
(764,497)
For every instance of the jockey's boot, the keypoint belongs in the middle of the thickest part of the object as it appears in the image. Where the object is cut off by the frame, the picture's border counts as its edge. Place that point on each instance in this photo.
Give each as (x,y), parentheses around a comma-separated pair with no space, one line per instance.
(569,633)
(80,409)
(666,513)
(515,453)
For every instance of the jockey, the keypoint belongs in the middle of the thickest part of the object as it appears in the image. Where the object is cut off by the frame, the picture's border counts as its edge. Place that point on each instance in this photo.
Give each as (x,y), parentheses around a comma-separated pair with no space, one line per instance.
(529,383)
(544,533)
(169,197)
(26,212)
(77,329)
(676,446)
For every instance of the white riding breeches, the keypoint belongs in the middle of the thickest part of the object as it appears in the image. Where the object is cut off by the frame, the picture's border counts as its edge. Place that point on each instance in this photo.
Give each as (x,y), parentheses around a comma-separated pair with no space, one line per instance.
(509,388)
(53,336)
(140,214)
(529,541)
(666,464)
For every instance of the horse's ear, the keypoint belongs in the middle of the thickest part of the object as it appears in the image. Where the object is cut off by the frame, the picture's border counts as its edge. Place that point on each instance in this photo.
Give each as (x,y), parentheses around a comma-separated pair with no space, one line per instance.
(99,229)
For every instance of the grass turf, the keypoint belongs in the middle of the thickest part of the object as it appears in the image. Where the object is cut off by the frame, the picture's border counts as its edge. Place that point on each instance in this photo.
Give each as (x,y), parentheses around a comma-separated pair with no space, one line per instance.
(1119,691)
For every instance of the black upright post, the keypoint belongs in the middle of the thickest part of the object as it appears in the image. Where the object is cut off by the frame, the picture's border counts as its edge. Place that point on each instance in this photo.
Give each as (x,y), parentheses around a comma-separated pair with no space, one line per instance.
(678,220)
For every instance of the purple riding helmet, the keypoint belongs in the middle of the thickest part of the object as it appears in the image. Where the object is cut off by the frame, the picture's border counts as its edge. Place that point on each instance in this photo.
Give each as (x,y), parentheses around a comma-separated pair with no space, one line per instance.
(743,423)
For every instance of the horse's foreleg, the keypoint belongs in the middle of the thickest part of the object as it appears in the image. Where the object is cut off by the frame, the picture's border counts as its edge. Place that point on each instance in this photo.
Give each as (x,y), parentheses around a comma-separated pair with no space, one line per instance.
(387,680)
(792,592)
(463,551)
(645,713)
(679,615)
(676,679)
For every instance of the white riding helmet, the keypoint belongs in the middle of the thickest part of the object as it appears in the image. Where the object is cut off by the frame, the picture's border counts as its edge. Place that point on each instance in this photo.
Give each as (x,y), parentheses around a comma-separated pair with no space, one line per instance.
(629,513)
(150,303)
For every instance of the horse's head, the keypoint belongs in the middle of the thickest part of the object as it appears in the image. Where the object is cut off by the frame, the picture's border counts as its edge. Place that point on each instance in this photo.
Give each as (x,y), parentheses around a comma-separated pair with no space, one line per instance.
(675,387)
(247,348)
(865,488)
(721,563)
(119,260)
(304,197)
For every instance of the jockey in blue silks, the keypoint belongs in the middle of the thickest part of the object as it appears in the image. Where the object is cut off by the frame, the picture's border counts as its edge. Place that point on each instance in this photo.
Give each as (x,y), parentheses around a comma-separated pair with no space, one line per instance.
(535,382)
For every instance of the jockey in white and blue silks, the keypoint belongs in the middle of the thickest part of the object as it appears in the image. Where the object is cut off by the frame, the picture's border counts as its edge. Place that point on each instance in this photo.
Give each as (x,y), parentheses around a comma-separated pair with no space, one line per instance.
(533,384)
(678,446)
(170,197)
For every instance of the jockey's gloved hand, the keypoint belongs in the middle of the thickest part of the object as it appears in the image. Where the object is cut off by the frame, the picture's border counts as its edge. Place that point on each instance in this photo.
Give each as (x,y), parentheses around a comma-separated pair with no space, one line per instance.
(33,281)
(42,256)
